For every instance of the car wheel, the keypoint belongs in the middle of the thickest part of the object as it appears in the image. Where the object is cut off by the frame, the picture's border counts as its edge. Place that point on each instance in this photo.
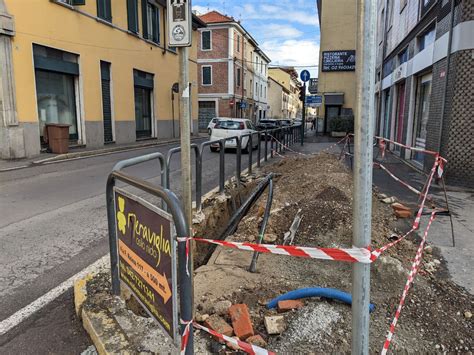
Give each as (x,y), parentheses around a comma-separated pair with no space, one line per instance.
(214,149)
(246,149)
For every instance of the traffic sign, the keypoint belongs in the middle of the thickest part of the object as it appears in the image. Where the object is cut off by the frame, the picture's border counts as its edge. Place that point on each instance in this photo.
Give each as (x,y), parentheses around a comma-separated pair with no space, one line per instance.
(304,75)
(314,100)
(313,85)
(179,23)
(147,257)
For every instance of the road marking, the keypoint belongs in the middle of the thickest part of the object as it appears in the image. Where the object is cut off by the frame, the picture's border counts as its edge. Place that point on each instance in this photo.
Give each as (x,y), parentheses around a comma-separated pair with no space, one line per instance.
(22,314)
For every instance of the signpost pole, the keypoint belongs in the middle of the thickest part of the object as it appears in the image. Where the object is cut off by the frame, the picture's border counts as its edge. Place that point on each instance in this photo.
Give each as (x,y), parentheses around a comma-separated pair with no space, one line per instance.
(180,35)
(186,185)
(303,116)
(363,155)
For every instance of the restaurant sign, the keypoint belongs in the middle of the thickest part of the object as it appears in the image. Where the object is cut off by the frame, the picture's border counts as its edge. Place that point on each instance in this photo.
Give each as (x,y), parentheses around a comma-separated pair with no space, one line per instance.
(147,257)
(338,60)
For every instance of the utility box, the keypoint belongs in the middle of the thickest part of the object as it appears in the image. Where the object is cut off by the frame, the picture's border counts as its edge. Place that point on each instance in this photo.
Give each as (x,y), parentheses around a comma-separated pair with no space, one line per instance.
(57,137)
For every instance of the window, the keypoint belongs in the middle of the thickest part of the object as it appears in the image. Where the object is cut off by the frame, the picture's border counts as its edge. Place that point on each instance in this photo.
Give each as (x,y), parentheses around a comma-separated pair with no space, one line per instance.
(151,21)
(132,15)
(239,73)
(256,89)
(206,43)
(143,90)
(427,38)
(56,73)
(403,56)
(206,74)
(238,43)
(104,10)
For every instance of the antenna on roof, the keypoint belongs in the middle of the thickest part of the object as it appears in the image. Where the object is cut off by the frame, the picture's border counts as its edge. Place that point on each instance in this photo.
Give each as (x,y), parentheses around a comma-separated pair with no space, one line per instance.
(208,7)
(223,5)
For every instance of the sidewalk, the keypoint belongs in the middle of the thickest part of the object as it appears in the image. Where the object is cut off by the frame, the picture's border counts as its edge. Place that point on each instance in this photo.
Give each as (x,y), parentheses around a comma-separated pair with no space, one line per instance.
(75,153)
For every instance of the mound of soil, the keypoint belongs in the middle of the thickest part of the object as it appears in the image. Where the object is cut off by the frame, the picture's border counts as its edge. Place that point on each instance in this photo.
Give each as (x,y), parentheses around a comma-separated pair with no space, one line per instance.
(434,316)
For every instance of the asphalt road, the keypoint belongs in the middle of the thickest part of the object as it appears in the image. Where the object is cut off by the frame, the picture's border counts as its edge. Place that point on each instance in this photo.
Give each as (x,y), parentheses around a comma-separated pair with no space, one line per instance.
(53,224)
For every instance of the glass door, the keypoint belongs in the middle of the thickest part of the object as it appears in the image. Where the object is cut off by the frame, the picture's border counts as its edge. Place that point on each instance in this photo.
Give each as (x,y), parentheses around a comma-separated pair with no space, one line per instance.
(421,119)
(56,100)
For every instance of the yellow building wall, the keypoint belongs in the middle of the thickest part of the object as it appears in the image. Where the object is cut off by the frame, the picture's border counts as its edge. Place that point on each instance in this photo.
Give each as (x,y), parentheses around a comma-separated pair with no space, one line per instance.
(53,25)
(281,76)
(338,32)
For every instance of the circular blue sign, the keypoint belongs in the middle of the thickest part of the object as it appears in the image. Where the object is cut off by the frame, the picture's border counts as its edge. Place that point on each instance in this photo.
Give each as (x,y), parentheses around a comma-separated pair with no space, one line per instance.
(304,75)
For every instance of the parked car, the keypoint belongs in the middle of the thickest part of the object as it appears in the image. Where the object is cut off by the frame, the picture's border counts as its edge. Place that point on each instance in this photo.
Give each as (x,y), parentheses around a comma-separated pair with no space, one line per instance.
(229,127)
(212,123)
(286,122)
(267,124)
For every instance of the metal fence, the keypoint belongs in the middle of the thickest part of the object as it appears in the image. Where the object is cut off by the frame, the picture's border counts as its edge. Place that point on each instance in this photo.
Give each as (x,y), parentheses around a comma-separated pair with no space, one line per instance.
(274,141)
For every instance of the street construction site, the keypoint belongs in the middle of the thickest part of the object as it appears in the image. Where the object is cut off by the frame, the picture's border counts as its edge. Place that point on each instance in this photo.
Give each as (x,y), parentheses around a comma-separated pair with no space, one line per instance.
(299,302)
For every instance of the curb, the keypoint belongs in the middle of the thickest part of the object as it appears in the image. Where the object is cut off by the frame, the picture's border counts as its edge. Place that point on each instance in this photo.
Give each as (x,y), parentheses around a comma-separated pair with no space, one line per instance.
(106,151)
(103,330)
(93,153)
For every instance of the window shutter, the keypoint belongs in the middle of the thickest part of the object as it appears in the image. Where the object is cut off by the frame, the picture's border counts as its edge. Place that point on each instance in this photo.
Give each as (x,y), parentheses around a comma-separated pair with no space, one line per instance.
(132,15)
(108,10)
(144,19)
(78,2)
(156,25)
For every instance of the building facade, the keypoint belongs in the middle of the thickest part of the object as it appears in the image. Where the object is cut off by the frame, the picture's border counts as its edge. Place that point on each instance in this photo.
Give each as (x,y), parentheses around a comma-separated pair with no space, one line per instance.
(424,89)
(336,72)
(278,100)
(288,79)
(232,71)
(103,67)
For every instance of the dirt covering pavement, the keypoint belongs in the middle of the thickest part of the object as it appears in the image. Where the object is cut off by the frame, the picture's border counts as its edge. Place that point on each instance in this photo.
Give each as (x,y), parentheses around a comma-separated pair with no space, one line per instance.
(437,314)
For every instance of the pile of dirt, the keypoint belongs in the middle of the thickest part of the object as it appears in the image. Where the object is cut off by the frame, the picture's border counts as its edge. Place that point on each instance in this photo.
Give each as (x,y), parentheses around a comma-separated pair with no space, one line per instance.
(436,313)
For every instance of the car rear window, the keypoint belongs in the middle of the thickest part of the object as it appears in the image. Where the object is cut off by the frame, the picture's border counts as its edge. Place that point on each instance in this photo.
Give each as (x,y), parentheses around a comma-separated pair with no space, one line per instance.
(230,125)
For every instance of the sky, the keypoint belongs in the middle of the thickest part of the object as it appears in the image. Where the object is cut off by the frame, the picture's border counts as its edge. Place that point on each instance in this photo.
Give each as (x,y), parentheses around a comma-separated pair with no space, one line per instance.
(286,30)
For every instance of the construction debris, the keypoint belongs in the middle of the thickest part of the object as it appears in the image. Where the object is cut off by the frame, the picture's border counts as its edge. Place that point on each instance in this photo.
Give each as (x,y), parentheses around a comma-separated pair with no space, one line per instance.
(275,324)
(288,305)
(239,314)
(290,235)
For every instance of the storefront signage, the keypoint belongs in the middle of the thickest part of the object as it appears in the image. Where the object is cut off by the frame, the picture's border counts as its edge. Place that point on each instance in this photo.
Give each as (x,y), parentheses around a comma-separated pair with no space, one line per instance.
(147,257)
(179,23)
(338,60)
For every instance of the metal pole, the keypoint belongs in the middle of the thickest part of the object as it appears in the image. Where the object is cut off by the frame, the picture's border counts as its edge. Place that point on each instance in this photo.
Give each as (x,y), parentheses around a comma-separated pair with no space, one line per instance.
(363,155)
(303,123)
(186,176)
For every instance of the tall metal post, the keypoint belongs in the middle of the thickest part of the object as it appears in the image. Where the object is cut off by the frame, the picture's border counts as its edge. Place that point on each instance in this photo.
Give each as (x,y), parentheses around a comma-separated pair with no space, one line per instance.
(363,155)
(186,181)
(303,116)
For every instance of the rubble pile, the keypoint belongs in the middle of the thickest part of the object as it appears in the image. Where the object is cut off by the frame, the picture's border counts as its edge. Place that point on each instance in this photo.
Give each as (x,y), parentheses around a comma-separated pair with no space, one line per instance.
(317,191)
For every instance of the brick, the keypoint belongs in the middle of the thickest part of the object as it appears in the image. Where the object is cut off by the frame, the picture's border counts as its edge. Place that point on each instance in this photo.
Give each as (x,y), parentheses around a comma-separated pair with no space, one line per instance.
(403,214)
(218,324)
(239,313)
(399,207)
(257,340)
(288,305)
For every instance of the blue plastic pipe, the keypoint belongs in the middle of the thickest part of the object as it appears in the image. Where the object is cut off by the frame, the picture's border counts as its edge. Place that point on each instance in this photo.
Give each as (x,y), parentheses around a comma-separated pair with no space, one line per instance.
(331,293)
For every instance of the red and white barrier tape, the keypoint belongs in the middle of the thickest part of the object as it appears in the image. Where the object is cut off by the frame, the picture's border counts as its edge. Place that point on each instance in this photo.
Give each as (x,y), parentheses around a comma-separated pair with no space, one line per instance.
(376,253)
(185,336)
(248,348)
(416,222)
(411,188)
(306,154)
(411,278)
(415,149)
(361,255)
